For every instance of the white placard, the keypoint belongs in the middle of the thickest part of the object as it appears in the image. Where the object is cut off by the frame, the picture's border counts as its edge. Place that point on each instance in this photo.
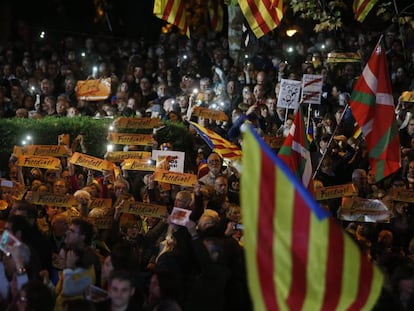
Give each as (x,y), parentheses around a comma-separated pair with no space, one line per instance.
(289,94)
(176,162)
(311,89)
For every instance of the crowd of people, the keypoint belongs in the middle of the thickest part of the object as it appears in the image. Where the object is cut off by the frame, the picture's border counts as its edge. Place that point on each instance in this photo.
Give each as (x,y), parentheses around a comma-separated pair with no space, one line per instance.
(64,262)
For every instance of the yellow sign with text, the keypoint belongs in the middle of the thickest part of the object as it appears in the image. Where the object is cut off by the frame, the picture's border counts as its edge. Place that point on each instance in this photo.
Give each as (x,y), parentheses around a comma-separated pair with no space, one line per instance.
(38,198)
(91,162)
(145,209)
(46,150)
(100,203)
(175,178)
(119,156)
(130,139)
(39,161)
(209,114)
(332,192)
(102,222)
(136,123)
(138,165)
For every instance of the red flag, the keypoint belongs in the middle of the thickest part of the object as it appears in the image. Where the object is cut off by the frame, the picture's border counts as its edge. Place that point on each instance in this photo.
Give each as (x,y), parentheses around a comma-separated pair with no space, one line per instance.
(295,151)
(372,105)
(262,15)
(297,257)
(172,11)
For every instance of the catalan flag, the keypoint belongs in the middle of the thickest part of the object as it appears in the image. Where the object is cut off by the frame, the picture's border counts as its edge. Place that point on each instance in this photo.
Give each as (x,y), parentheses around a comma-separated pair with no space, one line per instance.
(218,144)
(216,14)
(295,150)
(262,15)
(297,257)
(372,105)
(173,12)
(361,8)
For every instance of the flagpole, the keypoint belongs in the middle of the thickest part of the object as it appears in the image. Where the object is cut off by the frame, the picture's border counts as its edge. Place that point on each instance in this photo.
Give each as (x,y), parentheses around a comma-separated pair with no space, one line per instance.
(330,141)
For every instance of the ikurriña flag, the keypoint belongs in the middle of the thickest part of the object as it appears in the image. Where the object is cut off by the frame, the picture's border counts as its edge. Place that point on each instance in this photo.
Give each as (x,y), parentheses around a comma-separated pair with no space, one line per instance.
(173,12)
(218,144)
(372,105)
(361,8)
(297,257)
(295,151)
(262,15)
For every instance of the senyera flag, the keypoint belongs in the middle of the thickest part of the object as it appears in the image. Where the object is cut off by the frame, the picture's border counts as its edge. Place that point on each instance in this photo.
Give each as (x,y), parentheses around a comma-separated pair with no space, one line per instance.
(297,257)
(218,144)
(361,8)
(172,11)
(372,105)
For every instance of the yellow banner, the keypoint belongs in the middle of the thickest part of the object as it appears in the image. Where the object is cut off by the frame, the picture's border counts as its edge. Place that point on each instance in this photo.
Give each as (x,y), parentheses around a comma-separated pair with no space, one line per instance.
(403,196)
(274,142)
(350,57)
(209,114)
(119,156)
(138,165)
(145,209)
(130,139)
(39,161)
(175,178)
(407,96)
(90,162)
(136,123)
(46,150)
(93,90)
(335,192)
(100,203)
(17,150)
(53,199)
(102,222)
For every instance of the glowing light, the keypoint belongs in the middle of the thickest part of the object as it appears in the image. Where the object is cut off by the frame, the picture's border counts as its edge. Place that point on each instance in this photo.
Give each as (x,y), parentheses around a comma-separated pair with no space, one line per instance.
(109,148)
(291,32)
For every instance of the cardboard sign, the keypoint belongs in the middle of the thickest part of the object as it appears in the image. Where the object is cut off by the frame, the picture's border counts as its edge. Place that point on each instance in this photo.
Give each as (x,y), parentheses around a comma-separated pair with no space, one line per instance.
(38,198)
(138,165)
(403,195)
(408,96)
(209,114)
(289,94)
(274,142)
(102,222)
(145,209)
(46,150)
(349,57)
(39,161)
(136,123)
(93,90)
(181,179)
(119,156)
(363,210)
(130,139)
(100,203)
(175,159)
(332,192)
(90,162)
(311,89)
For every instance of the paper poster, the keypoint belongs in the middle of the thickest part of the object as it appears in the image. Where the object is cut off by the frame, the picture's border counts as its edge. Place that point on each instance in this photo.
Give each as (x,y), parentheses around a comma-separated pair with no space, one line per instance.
(93,90)
(181,179)
(311,89)
(363,210)
(130,139)
(180,216)
(39,161)
(289,94)
(175,159)
(136,123)
(91,162)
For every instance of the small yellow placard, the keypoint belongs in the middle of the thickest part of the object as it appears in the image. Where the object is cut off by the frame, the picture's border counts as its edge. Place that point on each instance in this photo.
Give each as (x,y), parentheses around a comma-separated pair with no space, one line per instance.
(53,199)
(39,161)
(408,96)
(130,139)
(175,178)
(100,203)
(102,222)
(119,156)
(90,162)
(332,192)
(209,114)
(46,150)
(93,90)
(138,165)
(403,196)
(136,123)
(145,209)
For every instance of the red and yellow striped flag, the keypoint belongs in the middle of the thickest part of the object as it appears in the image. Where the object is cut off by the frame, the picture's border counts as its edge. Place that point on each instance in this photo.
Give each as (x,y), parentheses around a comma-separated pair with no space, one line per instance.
(218,144)
(262,15)
(173,12)
(216,14)
(297,257)
(361,8)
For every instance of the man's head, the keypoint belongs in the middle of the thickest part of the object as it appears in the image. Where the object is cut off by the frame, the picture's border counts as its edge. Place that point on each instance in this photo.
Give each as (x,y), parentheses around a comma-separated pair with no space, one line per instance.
(120,288)
(221,185)
(80,232)
(183,199)
(214,163)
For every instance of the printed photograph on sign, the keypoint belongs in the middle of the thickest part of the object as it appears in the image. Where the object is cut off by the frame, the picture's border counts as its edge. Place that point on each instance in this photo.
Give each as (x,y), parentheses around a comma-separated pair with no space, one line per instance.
(311,89)
(180,216)
(175,159)
(289,94)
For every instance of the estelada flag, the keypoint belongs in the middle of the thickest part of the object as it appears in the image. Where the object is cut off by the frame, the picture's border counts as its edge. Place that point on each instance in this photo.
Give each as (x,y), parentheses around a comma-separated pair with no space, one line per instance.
(218,144)
(372,105)
(297,257)
(262,16)
(173,12)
